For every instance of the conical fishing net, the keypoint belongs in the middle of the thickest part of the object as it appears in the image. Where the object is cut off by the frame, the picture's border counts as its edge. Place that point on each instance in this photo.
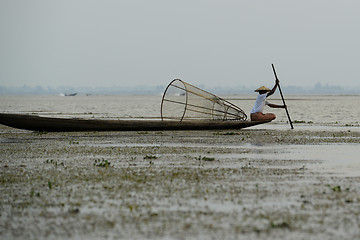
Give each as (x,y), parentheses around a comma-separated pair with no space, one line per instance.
(183,101)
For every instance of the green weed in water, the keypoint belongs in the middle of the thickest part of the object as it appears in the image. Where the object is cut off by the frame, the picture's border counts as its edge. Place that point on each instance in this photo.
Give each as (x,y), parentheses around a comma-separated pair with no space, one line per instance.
(299,121)
(207,159)
(336,188)
(102,163)
(74,142)
(142,133)
(41,133)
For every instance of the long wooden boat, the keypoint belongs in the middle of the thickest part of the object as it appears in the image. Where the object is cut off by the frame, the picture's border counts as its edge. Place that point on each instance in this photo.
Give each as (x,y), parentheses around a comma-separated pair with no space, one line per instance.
(49,124)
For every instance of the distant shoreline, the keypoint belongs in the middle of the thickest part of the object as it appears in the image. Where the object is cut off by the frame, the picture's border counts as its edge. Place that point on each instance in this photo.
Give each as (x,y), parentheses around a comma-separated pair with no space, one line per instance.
(318,89)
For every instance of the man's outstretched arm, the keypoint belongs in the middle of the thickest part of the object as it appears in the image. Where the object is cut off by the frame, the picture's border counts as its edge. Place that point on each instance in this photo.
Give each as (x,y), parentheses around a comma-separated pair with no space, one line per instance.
(276,106)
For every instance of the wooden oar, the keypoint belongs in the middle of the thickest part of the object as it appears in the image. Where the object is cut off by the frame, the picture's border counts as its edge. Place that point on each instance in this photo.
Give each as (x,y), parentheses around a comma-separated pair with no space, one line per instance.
(282,97)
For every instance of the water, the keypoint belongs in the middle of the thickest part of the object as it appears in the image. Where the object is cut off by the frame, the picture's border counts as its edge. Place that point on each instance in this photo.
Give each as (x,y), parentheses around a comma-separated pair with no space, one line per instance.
(324,113)
(320,110)
(311,110)
(339,159)
(95,106)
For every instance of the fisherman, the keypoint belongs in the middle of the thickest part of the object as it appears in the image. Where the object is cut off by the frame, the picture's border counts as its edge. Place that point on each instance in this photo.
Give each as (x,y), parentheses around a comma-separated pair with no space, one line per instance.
(256,113)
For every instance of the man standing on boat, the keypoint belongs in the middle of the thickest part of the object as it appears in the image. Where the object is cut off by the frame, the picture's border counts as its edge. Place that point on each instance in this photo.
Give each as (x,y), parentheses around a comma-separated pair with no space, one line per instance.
(256,113)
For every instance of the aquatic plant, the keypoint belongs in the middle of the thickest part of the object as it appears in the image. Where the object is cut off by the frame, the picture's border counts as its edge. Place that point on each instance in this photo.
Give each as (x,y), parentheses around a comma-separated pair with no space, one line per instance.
(142,133)
(280,225)
(337,188)
(207,159)
(150,157)
(227,133)
(102,163)
(41,133)
(55,163)
(74,142)
(299,121)
(247,166)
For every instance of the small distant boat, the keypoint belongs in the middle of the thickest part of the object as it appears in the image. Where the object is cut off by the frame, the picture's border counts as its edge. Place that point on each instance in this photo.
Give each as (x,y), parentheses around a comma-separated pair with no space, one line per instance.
(49,124)
(70,94)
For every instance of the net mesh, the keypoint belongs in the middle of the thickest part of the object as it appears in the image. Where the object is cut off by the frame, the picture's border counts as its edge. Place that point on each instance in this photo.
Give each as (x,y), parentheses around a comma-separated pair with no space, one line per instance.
(183,101)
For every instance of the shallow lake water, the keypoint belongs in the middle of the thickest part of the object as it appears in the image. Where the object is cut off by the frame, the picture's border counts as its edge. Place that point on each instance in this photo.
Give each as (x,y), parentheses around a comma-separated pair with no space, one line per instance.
(264,182)
(313,110)
(338,159)
(308,112)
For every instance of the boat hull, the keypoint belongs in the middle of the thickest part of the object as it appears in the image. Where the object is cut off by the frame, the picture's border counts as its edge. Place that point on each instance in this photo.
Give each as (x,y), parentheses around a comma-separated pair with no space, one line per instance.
(48,124)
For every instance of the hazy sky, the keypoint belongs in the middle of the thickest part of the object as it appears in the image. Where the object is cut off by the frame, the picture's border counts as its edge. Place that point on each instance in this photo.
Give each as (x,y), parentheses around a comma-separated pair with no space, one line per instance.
(208,42)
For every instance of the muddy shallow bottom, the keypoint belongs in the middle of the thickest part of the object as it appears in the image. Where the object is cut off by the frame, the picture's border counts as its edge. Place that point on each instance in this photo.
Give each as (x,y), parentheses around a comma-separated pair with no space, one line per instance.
(251,184)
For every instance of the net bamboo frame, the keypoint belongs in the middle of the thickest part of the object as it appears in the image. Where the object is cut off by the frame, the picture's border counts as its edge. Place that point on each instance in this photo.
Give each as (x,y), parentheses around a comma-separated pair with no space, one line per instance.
(182,101)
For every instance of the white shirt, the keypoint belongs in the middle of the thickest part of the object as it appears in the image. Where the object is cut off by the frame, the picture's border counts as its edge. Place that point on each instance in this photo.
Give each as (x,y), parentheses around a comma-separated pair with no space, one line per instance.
(260,103)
